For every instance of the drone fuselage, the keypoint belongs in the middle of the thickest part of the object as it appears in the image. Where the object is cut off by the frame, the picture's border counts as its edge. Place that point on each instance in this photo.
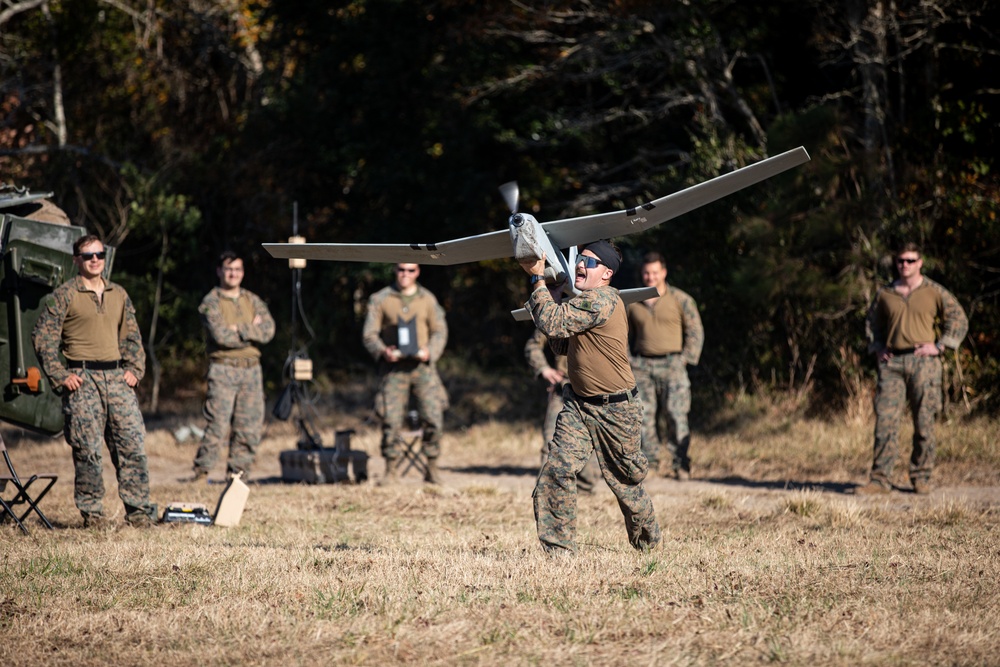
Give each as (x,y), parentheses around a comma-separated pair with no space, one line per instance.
(530,243)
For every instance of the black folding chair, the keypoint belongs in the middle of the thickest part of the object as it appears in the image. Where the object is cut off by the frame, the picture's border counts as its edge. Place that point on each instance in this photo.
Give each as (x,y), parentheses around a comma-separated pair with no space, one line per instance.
(413,455)
(21,496)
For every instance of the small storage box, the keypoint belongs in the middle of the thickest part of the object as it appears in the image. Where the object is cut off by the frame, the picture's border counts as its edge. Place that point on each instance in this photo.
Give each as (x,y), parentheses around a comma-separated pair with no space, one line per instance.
(330,465)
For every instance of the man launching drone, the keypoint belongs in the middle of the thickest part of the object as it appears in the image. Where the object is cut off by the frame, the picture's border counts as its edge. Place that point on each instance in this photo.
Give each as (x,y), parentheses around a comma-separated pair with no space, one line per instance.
(602,413)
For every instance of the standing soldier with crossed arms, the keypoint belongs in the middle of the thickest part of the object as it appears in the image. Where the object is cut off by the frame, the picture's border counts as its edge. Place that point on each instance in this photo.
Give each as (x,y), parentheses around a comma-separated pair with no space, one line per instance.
(236,321)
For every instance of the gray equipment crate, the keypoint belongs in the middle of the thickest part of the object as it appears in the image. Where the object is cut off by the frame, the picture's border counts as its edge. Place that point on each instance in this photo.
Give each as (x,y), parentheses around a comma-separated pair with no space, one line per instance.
(330,465)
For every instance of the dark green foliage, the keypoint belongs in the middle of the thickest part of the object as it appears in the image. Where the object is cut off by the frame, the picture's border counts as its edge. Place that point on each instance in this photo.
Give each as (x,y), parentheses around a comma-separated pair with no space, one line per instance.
(395,121)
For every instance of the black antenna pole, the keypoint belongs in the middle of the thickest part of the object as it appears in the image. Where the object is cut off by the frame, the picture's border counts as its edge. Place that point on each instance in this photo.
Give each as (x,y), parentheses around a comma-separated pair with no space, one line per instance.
(301,403)
(296,282)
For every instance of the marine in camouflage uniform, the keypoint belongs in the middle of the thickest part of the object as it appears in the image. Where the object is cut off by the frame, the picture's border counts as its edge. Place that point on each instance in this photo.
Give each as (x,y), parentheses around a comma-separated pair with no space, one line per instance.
(405,332)
(602,413)
(236,321)
(667,337)
(900,328)
(552,370)
(92,323)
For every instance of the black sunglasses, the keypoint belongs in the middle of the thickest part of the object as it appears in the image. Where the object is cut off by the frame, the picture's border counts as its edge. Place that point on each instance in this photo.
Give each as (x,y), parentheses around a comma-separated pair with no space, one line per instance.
(588,262)
(404,270)
(906,260)
(87,256)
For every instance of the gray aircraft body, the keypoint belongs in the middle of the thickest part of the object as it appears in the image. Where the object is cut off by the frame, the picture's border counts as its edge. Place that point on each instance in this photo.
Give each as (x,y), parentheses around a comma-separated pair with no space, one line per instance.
(527,239)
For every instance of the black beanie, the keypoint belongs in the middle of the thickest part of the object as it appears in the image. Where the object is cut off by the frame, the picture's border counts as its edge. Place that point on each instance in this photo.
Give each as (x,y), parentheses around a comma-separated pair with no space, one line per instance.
(606,253)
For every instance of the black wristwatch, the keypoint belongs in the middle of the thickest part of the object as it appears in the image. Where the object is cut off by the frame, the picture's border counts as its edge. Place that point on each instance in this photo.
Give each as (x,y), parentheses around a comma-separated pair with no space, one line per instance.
(537,279)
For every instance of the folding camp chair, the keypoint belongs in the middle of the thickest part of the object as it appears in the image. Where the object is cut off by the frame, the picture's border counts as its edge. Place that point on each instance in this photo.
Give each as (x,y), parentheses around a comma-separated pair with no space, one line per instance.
(21,496)
(413,454)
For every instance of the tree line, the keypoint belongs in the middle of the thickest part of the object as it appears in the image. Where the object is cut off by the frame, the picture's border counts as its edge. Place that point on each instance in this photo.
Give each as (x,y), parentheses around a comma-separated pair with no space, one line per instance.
(177,129)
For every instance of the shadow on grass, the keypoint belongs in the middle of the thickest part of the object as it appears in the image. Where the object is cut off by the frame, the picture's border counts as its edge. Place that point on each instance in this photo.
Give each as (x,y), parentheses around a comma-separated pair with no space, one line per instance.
(496,471)
(782,485)
(492,471)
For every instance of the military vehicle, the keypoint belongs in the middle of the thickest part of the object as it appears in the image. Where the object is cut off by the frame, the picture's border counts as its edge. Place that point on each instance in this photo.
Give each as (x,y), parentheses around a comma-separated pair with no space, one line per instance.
(36,249)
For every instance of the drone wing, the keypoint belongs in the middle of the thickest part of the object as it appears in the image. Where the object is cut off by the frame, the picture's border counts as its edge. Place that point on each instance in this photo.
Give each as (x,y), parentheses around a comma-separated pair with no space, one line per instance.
(492,245)
(585,229)
(563,233)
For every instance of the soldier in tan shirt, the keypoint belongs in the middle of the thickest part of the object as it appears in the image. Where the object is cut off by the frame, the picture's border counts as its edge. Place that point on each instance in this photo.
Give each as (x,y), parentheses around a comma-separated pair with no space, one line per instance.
(901,335)
(236,322)
(553,370)
(602,413)
(405,332)
(91,321)
(667,337)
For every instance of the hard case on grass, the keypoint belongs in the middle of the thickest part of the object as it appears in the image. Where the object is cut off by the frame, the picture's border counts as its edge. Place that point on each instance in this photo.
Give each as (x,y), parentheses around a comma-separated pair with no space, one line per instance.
(330,465)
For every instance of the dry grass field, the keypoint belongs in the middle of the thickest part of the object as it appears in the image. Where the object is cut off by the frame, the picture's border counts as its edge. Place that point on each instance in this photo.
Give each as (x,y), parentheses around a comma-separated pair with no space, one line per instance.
(766,559)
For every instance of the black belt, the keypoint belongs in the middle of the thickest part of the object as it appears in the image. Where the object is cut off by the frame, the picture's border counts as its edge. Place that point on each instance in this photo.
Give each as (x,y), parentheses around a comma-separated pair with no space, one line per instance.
(905,350)
(658,356)
(605,399)
(94,365)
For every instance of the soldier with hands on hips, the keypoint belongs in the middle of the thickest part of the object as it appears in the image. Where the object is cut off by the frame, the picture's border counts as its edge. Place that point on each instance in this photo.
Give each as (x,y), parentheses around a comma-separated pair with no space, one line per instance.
(902,331)
(91,321)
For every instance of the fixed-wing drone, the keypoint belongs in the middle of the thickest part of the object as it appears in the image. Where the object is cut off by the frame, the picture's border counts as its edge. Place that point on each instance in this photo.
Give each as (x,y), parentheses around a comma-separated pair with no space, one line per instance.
(528,239)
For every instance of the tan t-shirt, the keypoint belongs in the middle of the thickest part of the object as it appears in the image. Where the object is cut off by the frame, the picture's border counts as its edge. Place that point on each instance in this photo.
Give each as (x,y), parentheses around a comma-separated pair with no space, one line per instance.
(388,306)
(658,330)
(598,357)
(91,331)
(906,322)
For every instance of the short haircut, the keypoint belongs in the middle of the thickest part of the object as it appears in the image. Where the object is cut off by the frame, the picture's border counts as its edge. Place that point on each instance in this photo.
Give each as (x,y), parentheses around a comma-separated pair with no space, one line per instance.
(86,239)
(908,246)
(227,256)
(652,257)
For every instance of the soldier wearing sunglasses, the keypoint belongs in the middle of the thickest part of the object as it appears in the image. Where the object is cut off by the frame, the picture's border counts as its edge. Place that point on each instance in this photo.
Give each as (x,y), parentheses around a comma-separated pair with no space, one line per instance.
(405,332)
(602,412)
(910,323)
(91,321)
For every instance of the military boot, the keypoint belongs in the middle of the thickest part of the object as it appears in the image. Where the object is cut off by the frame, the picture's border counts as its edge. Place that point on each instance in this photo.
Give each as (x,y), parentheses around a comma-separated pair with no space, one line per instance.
(433,474)
(200,475)
(391,476)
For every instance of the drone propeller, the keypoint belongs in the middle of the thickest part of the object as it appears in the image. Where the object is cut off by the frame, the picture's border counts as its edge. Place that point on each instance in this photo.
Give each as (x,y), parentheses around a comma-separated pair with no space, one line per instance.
(510,195)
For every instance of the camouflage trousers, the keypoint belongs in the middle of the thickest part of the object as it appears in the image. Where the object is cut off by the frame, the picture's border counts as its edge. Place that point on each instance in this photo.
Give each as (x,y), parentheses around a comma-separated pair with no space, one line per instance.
(665,390)
(105,409)
(906,378)
(612,432)
(393,399)
(234,409)
(586,479)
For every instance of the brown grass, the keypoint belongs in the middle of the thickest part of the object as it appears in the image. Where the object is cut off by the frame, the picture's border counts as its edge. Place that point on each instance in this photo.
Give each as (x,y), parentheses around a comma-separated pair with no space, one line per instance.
(764,560)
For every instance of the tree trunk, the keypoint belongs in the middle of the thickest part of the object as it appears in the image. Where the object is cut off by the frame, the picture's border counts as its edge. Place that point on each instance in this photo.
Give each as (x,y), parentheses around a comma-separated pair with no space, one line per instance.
(154,362)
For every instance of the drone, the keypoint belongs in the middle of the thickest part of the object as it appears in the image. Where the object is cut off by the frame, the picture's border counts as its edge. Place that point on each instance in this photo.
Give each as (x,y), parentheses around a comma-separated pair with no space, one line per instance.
(526,239)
